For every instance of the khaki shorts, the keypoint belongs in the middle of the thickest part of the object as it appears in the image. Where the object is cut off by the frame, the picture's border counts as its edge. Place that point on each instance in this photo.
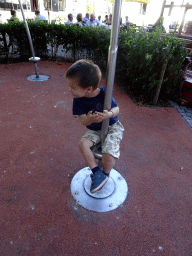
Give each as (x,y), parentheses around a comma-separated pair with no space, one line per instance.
(111,144)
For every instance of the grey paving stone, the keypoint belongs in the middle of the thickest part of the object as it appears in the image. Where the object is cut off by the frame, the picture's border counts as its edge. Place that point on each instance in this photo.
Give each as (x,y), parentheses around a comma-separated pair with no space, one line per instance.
(184,111)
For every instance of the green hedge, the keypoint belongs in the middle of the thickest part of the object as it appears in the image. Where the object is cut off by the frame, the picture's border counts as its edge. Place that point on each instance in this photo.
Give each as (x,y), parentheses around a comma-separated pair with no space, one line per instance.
(139,61)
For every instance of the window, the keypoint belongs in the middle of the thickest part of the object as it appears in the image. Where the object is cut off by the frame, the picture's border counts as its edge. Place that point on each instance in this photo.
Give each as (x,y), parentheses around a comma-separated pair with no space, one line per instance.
(143,9)
(13,5)
(47,4)
(62,5)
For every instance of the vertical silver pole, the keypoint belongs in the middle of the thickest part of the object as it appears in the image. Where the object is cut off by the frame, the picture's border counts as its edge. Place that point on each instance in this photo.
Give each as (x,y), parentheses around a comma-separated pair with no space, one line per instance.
(111,65)
(182,22)
(30,41)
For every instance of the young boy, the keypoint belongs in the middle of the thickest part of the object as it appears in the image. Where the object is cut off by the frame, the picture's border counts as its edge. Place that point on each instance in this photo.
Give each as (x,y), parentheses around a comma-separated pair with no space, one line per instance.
(83,79)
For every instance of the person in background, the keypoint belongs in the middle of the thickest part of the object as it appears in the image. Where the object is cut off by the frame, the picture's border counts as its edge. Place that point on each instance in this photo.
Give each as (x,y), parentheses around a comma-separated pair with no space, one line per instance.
(126,23)
(70,19)
(12,42)
(106,19)
(86,18)
(121,20)
(80,20)
(99,18)
(39,16)
(13,16)
(92,21)
(172,25)
(109,22)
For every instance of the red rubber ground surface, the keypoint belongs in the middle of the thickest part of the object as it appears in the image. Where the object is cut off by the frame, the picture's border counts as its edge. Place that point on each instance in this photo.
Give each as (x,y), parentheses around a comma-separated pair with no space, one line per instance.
(39,156)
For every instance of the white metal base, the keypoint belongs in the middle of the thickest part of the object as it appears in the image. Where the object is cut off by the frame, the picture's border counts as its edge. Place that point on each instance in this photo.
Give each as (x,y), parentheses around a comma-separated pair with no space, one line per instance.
(39,79)
(107,199)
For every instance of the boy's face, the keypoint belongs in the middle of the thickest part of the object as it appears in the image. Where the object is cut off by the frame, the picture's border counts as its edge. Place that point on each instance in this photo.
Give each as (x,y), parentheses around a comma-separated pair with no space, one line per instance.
(76,90)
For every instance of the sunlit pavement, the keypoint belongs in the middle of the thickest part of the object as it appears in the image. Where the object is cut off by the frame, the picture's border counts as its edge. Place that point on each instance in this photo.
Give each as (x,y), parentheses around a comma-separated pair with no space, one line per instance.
(39,156)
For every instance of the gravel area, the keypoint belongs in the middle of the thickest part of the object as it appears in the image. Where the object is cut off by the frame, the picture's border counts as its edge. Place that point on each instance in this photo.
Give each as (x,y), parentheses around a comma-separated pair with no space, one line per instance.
(185,112)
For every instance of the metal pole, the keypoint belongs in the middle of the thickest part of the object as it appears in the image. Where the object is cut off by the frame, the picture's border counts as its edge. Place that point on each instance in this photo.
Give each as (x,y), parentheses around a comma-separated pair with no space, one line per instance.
(182,22)
(30,41)
(162,8)
(111,64)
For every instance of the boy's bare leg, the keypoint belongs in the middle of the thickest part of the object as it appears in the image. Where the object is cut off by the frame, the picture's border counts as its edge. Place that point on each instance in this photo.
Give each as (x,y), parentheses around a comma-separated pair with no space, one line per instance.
(85,148)
(98,177)
(108,162)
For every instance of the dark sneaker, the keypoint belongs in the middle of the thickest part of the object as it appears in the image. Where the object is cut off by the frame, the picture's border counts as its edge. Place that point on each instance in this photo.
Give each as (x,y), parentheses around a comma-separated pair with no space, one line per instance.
(98,181)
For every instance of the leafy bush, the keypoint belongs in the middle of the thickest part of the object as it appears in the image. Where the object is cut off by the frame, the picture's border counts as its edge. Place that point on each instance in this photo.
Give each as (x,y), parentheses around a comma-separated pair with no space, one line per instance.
(141,58)
(17,36)
(57,36)
(39,35)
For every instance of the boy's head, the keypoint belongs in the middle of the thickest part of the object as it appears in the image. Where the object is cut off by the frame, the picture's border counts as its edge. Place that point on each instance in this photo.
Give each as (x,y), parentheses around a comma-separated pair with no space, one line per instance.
(85,73)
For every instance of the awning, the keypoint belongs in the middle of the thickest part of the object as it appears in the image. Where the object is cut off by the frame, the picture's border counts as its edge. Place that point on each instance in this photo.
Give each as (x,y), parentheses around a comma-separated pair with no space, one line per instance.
(138,1)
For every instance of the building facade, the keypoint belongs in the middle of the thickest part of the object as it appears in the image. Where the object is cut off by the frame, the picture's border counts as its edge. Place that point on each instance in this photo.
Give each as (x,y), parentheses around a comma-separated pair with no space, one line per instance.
(54,9)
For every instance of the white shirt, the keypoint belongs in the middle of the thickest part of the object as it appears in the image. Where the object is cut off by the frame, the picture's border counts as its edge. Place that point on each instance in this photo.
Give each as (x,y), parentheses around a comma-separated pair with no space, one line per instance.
(85,19)
(95,22)
(39,17)
(79,23)
(126,23)
(69,22)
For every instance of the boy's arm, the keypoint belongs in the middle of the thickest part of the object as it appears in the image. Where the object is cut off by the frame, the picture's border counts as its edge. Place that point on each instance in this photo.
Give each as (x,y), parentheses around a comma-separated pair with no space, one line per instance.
(114,111)
(109,114)
(89,118)
(97,117)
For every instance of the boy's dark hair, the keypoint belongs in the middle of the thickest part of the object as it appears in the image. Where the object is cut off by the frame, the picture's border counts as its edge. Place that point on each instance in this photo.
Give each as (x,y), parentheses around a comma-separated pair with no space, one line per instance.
(86,72)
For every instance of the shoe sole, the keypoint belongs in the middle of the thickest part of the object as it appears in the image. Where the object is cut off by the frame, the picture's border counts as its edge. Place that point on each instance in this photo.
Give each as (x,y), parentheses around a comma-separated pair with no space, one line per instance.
(100,186)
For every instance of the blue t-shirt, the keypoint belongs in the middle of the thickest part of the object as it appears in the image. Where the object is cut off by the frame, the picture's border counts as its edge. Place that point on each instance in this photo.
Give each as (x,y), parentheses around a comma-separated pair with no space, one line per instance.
(84,105)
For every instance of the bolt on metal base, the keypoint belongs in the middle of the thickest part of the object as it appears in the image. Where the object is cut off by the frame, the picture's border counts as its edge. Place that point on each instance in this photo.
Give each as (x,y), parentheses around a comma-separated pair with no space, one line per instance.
(112,195)
(34,59)
(39,79)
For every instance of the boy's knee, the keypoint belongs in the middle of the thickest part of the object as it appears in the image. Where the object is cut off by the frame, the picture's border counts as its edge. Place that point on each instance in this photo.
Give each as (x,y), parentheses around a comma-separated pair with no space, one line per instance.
(81,144)
(85,143)
(108,158)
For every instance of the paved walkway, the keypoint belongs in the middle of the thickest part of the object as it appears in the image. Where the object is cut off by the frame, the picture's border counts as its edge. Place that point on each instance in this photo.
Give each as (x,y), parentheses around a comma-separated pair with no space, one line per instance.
(185,112)
(39,157)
